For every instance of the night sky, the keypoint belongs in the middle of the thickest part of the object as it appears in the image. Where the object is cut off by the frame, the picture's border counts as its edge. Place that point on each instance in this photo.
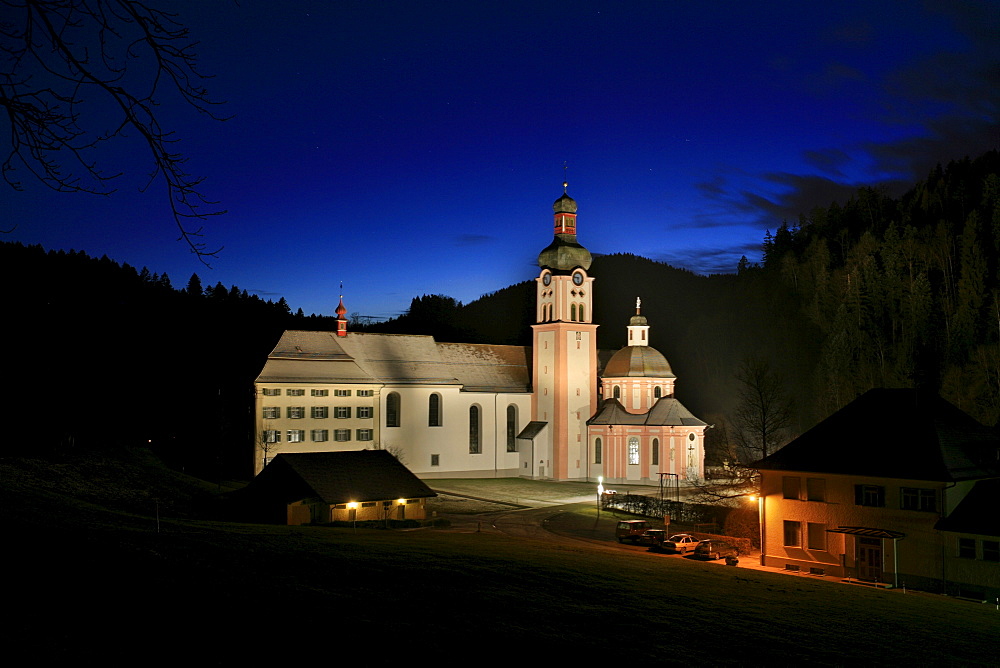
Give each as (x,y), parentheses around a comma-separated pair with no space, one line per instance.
(410,148)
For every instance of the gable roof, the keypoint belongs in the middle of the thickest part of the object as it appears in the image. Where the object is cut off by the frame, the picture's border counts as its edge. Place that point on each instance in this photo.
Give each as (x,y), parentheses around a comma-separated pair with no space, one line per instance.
(339,477)
(894,433)
(666,412)
(395,359)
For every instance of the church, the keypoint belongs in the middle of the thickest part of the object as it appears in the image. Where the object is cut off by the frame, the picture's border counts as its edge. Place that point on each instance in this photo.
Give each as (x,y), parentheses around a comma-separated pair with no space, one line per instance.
(552,411)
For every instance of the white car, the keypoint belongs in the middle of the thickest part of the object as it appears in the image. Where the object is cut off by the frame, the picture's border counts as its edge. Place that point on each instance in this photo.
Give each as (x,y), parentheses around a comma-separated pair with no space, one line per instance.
(681,543)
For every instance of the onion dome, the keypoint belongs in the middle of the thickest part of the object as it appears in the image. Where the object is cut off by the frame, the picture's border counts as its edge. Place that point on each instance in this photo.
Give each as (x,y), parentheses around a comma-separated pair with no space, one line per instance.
(637,320)
(564,204)
(564,254)
(638,361)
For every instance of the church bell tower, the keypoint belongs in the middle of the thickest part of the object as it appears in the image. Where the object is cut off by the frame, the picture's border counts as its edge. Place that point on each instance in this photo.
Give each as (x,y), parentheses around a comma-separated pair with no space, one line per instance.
(564,352)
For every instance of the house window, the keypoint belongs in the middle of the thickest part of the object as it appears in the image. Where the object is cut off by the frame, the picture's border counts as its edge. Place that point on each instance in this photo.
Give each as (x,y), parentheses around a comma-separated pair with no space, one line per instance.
(991,550)
(364,412)
(341,393)
(366,393)
(296,435)
(617,392)
(296,393)
(271,392)
(320,435)
(342,412)
(597,451)
(341,435)
(869,495)
(793,533)
(475,440)
(816,535)
(271,412)
(435,460)
(967,548)
(816,489)
(916,498)
(790,486)
(320,412)
(633,450)
(392,410)
(296,412)
(655,452)
(272,436)
(320,393)
(511,428)
(657,392)
(434,410)
(363,434)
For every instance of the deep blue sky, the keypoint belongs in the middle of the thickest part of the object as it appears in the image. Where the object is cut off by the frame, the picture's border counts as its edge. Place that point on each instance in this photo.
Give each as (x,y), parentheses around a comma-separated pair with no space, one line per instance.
(410,148)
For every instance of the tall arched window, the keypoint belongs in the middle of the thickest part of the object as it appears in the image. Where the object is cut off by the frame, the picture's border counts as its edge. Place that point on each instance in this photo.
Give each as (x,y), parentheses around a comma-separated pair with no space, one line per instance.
(633,450)
(618,392)
(657,392)
(434,410)
(583,318)
(475,440)
(656,451)
(597,451)
(392,408)
(511,428)
(572,312)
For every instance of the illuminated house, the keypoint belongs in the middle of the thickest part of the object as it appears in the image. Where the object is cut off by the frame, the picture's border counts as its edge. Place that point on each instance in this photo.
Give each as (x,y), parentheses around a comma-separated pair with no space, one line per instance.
(303,488)
(468,410)
(899,487)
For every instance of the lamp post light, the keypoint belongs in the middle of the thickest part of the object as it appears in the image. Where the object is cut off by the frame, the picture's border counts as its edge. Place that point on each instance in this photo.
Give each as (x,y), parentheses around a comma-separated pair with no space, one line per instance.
(353,506)
(600,493)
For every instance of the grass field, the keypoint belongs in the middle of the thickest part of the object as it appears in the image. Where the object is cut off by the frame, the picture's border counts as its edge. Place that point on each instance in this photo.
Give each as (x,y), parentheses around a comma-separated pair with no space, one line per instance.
(92,580)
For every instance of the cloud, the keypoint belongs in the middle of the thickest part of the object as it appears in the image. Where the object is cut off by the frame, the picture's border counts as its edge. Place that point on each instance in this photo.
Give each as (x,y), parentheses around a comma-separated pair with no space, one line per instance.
(710,260)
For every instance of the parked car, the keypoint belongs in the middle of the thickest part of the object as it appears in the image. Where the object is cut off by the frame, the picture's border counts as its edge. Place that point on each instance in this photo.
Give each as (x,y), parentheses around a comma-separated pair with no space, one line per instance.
(630,530)
(716,549)
(681,543)
(653,538)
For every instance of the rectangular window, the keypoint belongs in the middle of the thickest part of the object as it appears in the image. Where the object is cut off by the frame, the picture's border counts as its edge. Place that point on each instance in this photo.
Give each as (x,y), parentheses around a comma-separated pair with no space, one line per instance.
(341,434)
(319,412)
(435,460)
(869,495)
(341,393)
(271,391)
(341,412)
(320,393)
(816,535)
(320,435)
(271,412)
(296,435)
(633,450)
(655,452)
(272,436)
(991,550)
(366,393)
(296,393)
(816,489)
(364,434)
(793,533)
(967,548)
(296,412)
(791,486)
(916,498)
(364,412)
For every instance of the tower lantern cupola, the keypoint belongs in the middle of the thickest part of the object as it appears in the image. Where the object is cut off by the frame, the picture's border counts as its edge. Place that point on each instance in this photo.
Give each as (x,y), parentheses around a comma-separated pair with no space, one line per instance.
(638,328)
(341,320)
(565,253)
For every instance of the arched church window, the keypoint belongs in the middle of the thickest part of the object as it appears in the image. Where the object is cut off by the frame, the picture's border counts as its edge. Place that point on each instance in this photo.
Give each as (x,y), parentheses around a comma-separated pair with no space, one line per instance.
(617,392)
(597,451)
(392,408)
(572,312)
(434,410)
(633,450)
(511,428)
(657,392)
(582,316)
(475,434)
(655,452)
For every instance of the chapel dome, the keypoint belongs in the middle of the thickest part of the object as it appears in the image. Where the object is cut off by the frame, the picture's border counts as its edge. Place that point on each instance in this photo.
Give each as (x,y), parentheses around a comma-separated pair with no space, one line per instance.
(638,361)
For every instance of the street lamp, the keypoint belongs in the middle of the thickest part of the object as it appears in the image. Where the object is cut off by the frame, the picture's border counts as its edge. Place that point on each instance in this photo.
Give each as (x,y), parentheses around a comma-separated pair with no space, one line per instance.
(600,492)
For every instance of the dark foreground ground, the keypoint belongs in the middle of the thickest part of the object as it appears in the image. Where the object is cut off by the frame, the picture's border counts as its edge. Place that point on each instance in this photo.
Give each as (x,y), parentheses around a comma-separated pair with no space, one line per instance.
(93,578)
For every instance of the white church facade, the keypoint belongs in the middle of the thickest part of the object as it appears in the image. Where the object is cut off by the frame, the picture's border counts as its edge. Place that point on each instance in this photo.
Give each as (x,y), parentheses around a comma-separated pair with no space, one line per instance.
(452,410)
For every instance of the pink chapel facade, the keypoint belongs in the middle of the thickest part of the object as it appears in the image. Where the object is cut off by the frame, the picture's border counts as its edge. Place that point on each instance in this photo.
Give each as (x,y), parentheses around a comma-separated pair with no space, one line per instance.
(465,410)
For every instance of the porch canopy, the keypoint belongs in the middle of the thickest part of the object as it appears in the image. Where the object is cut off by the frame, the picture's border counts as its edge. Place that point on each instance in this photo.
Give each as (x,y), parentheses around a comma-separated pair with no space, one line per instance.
(867,532)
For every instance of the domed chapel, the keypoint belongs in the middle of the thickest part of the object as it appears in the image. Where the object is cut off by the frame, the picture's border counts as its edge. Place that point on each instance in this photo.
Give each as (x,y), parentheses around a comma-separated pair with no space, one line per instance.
(477,410)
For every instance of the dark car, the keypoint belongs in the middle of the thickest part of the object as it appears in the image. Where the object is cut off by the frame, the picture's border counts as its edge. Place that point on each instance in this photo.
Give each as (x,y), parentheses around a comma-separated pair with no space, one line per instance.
(653,538)
(716,549)
(630,530)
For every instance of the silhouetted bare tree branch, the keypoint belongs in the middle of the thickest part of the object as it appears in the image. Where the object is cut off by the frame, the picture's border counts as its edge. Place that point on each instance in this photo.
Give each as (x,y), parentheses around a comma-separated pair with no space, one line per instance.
(61,58)
(764,411)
